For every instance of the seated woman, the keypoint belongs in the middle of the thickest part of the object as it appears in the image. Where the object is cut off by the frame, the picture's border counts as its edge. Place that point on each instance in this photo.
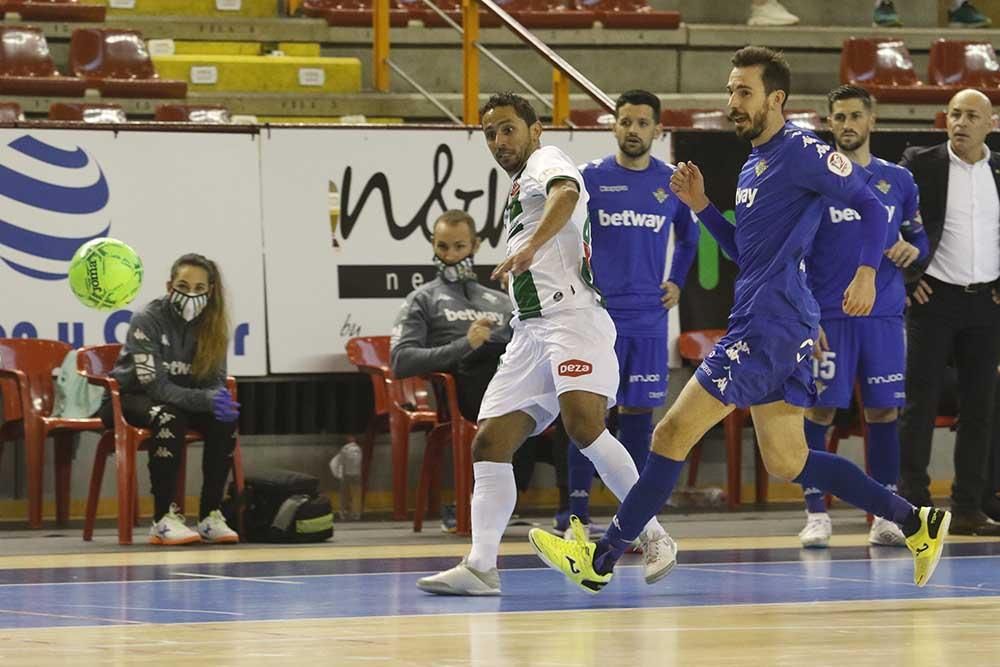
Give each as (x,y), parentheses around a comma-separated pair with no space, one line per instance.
(172,373)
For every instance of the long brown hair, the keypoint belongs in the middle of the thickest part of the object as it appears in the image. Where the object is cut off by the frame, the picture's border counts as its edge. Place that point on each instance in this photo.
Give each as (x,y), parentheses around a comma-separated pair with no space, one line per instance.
(213,325)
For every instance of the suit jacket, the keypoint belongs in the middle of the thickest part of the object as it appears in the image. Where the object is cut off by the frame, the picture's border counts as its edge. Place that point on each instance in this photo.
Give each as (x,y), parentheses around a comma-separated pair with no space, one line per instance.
(929,166)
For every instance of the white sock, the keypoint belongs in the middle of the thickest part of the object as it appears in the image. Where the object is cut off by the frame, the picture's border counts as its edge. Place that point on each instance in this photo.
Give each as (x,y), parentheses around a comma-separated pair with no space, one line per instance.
(955,4)
(617,471)
(493,500)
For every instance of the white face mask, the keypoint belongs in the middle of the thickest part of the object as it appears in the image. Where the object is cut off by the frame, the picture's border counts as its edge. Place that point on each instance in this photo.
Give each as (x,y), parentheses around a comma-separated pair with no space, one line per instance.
(186,305)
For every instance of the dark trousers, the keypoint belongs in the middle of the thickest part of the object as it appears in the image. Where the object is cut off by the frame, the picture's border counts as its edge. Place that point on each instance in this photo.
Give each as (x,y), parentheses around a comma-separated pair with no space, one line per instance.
(966,327)
(169,424)
(471,379)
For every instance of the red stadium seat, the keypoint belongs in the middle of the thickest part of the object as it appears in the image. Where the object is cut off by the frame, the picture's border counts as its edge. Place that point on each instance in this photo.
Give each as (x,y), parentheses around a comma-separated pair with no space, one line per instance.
(10,112)
(117,63)
(806,119)
(356,13)
(56,10)
(884,68)
(704,119)
(694,346)
(26,67)
(405,404)
(591,117)
(192,113)
(958,64)
(548,14)
(418,11)
(28,364)
(631,14)
(92,112)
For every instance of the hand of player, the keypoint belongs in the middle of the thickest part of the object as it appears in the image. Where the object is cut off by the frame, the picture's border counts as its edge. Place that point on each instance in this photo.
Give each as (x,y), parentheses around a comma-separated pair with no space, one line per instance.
(902,254)
(671,295)
(689,186)
(922,292)
(517,263)
(859,297)
(822,345)
(479,332)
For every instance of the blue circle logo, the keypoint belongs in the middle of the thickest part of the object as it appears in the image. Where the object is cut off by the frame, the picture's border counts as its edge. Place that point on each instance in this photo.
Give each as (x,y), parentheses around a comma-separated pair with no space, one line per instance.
(52,201)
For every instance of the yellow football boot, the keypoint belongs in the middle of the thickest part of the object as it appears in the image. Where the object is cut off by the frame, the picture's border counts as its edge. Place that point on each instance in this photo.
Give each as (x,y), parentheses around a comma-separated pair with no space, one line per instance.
(574,558)
(928,542)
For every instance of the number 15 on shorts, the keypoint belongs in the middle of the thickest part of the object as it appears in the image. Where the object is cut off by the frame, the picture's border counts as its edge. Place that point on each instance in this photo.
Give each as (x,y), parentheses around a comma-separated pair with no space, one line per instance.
(825,368)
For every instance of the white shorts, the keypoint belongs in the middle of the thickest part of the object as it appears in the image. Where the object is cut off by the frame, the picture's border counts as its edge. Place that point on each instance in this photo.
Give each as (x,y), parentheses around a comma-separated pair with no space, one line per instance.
(570,350)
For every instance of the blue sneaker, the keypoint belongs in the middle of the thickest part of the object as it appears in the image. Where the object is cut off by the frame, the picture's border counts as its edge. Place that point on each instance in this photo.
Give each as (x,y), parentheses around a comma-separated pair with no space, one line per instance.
(448,521)
(560,522)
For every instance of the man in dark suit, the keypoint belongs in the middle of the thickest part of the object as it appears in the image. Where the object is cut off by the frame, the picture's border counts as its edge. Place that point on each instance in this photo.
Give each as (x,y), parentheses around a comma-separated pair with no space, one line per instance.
(954,309)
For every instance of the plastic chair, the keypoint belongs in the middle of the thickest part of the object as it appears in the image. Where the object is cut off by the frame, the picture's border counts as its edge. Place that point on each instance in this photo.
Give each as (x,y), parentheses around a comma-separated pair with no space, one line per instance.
(10,112)
(89,112)
(416,10)
(631,14)
(549,14)
(193,113)
(29,363)
(26,66)
(354,13)
(704,119)
(124,440)
(884,67)
(57,10)
(406,407)
(118,64)
(452,431)
(958,64)
(694,346)
(804,118)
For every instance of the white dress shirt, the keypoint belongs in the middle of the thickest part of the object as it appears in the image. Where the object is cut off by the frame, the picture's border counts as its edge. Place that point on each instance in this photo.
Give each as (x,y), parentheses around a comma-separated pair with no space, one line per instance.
(969,251)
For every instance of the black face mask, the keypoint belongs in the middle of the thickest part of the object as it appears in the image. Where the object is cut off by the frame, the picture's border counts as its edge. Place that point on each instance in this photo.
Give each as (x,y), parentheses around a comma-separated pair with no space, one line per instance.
(458,272)
(187,305)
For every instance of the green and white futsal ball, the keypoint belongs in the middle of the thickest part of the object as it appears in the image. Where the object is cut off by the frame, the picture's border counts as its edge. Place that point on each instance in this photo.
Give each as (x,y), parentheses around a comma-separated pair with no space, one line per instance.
(105,274)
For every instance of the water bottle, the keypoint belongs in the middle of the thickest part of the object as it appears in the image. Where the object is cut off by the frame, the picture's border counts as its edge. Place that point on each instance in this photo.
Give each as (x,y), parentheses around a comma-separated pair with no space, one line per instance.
(346,467)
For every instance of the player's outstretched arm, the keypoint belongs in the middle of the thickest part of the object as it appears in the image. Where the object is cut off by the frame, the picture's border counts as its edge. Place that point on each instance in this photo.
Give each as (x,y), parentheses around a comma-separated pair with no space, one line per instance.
(689,185)
(562,197)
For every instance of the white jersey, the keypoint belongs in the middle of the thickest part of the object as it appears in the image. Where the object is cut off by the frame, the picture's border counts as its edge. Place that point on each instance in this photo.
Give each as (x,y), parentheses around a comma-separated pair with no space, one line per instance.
(560,276)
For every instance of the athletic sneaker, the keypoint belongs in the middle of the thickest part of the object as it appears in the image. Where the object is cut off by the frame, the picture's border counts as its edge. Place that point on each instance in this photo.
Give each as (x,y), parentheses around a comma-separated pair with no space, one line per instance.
(462,580)
(928,542)
(449,523)
(967,16)
(574,558)
(771,13)
(171,531)
(214,529)
(816,534)
(885,533)
(659,557)
(885,16)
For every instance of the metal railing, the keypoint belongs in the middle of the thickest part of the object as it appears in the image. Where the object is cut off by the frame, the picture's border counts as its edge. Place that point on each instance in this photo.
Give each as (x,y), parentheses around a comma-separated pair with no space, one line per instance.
(562,72)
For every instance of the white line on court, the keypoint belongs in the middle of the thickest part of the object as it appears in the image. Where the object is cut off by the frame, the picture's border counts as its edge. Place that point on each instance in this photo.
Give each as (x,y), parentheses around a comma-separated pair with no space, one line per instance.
(186,611)
(219,576)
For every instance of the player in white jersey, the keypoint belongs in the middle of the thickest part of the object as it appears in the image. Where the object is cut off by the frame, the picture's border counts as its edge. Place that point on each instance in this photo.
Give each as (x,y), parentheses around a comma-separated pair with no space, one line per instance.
(561,358)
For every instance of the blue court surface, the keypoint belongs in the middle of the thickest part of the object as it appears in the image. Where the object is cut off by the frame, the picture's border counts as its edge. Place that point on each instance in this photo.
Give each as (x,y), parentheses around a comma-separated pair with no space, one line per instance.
(328,589)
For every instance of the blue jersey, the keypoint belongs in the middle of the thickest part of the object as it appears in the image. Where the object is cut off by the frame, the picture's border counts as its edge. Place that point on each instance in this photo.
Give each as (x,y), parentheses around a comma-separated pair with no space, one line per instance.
(631,213)
(839,238)
(780,196)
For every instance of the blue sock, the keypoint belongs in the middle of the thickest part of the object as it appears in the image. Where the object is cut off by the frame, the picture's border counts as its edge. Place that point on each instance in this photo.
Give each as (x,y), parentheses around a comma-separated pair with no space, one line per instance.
(847,481)
(883,453)
(635,431)
(816,439)
(580,476)
(647,497)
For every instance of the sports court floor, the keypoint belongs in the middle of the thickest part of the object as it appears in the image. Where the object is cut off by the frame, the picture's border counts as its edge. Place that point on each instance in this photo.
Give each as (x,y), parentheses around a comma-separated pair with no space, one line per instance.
(742,594)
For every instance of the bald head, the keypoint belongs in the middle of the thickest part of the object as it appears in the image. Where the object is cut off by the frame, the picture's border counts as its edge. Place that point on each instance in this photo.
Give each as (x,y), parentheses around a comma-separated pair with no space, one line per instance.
(970,118)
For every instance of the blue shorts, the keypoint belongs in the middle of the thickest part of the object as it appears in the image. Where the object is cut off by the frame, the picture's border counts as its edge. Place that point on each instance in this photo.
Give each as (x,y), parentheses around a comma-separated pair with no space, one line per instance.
(867,350)
(642,366)
(761,360)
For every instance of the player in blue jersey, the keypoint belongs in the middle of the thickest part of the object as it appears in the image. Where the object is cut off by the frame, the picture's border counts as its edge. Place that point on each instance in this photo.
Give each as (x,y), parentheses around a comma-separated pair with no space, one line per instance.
(764,360)
(631,213)
(868,350)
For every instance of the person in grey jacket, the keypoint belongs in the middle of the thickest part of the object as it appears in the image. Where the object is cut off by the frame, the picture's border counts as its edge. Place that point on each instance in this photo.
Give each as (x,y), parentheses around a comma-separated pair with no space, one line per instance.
(454,324)
(172,376)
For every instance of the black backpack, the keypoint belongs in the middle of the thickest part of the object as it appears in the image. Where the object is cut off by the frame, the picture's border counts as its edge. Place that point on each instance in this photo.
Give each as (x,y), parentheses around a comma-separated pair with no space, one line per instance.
(280,506)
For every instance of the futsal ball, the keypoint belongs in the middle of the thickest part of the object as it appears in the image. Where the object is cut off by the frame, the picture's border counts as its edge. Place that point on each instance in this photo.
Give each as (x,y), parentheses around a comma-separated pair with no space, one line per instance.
(105,274)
